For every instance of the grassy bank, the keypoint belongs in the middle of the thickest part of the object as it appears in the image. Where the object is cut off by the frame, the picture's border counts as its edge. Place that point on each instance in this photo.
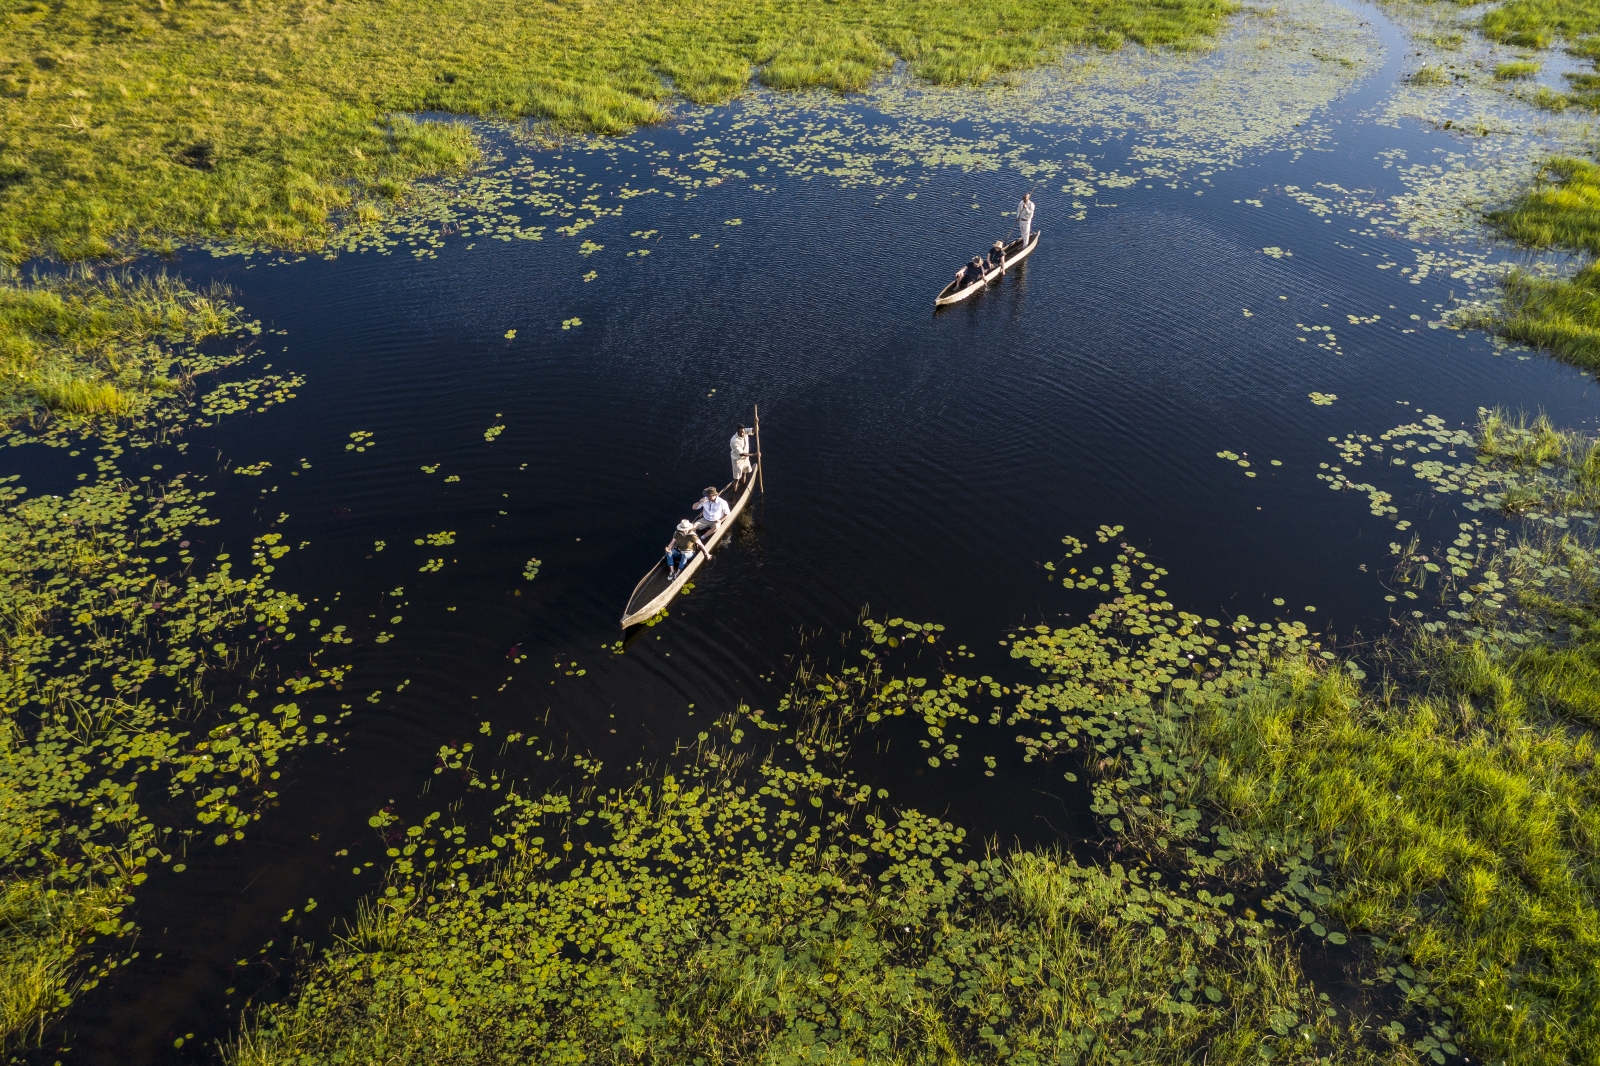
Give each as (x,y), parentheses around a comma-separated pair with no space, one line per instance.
(1561,210)
(125,121)
(125,126)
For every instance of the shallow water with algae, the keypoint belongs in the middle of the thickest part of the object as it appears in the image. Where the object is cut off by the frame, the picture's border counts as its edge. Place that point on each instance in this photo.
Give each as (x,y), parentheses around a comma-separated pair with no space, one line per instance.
(475,423)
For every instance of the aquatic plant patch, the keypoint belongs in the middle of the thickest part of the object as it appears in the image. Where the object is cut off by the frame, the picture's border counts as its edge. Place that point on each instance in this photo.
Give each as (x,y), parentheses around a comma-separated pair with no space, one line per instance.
(120,637)
(782,915)
(789,914)
(132,643)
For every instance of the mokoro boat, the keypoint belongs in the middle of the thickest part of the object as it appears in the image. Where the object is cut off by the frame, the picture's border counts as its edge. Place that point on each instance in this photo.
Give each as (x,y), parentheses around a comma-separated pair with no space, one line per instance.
(953,293)
(654,591)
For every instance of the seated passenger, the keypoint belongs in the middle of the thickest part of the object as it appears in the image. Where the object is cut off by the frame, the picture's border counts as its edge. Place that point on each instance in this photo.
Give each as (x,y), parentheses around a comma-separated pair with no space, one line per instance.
(713,509)
(997,256)
(682,548)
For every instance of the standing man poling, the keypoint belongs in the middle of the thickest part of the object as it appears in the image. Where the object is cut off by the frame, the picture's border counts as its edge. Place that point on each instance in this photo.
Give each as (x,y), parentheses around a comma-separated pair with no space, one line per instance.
(1025,216)
(739,452)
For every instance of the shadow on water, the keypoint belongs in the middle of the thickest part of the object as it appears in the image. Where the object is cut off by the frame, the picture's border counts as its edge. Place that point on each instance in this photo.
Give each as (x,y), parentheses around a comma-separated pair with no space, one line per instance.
(926,465)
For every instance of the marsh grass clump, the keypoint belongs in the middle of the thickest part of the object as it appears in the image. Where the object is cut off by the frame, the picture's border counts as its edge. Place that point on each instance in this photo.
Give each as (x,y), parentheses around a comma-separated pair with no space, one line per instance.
(1559,315)
(1516,71)
(1539,23)
(101,346)
(75,396)
(1560,210)
(206,120)
(1430,75)
(41,931)
(1518,442)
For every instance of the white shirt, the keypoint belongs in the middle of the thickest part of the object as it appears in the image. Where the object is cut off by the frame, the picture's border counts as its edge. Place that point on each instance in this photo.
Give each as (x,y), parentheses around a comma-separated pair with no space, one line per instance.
(738,447)
(712,510)
(1025,211)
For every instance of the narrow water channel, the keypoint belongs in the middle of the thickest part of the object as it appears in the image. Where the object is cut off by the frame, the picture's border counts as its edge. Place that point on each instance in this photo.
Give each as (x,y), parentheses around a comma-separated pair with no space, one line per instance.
(917,465)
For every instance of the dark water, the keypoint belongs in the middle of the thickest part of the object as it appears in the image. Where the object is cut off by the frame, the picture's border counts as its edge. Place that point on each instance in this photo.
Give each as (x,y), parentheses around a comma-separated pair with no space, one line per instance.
(923,465)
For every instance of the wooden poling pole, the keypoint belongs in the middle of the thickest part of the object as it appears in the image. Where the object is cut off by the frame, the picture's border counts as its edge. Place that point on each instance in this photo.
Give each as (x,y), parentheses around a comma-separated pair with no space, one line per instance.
(761,470)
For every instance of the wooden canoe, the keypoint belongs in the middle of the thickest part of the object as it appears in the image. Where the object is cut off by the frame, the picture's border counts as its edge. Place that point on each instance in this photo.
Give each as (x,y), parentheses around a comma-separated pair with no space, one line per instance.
(1015,253)
(654,591)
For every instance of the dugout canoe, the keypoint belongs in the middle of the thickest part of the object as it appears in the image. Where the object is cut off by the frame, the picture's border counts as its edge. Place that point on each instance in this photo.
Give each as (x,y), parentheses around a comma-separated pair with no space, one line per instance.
(1015,253)
(655,590)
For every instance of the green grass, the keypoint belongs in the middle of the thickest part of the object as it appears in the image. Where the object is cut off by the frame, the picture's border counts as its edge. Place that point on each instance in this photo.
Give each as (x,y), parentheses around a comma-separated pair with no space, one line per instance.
(41,930)
(1540,23)
(1560,210)
(1555,471)
(1430,75)
(702,921)
(1560,315)
(128,121)
(100,344)
(1518,71)
(1462,825)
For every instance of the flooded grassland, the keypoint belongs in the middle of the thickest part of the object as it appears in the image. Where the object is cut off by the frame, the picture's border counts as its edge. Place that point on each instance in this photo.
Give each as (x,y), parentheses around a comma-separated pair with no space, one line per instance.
(1166,797)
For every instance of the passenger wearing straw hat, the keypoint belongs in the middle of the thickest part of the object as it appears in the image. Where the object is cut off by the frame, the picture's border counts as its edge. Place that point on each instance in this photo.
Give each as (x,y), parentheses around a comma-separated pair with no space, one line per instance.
(682,547)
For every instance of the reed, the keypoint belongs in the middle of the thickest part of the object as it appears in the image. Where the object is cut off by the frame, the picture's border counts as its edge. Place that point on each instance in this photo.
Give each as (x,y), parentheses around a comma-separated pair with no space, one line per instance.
(41,930)
(100,344)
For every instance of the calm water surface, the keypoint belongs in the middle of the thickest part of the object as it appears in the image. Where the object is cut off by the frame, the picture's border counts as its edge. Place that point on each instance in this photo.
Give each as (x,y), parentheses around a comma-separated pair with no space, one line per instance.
(921,465)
